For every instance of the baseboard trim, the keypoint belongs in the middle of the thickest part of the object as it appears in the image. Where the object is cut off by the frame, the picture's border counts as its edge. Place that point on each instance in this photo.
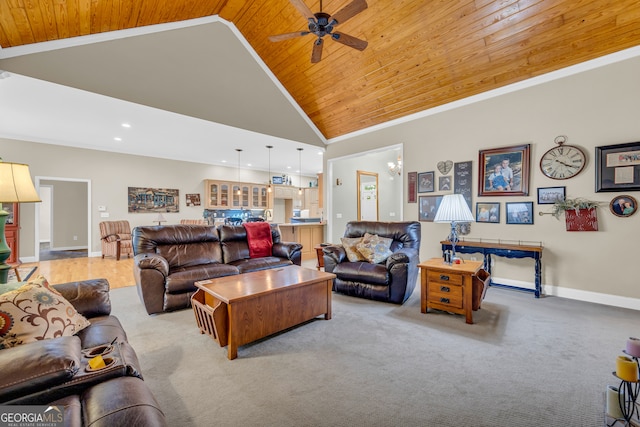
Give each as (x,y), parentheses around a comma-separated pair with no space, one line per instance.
(577,294)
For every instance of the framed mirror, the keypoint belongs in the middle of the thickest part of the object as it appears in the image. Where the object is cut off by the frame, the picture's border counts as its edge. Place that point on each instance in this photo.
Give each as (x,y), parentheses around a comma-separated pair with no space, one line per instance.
(367,196)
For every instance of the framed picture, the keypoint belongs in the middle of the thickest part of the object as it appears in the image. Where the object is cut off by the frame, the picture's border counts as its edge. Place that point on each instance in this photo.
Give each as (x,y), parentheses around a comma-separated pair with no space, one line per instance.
(504,171)
(11,209)
(618,167)
(428,206)
(623,206)
(193,199)
(549,195)
(425,182)
(444,183)
(519,212)
(146,199)
(277,180)
(488,212)
(412,181)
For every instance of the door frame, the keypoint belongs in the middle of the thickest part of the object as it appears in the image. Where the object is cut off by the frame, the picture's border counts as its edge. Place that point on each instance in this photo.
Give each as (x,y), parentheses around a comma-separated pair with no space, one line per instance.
(37,213)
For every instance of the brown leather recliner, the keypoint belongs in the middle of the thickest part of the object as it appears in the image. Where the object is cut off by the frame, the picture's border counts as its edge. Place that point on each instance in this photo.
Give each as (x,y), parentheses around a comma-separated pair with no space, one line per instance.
(170,259)
(392,280)
(53,371)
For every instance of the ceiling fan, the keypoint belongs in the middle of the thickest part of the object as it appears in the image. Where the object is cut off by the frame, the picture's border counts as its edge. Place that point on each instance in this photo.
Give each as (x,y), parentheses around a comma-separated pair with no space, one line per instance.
(321,24)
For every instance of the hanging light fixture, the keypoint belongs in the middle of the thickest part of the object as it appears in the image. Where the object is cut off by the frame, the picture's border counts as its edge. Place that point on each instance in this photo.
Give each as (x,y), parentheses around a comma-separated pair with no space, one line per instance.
(239,150)
(300,170)
(395,168)
(269,187)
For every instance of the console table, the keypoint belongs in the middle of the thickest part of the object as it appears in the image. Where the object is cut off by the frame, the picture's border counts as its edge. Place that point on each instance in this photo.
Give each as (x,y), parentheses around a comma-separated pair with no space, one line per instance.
(507,250)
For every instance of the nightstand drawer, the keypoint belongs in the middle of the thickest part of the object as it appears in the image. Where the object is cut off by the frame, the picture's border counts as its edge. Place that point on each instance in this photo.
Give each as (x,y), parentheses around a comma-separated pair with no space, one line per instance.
(445,294)
(443,277)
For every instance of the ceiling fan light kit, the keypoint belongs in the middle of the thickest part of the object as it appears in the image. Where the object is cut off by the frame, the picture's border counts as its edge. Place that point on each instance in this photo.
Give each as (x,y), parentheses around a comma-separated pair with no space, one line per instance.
(322,24)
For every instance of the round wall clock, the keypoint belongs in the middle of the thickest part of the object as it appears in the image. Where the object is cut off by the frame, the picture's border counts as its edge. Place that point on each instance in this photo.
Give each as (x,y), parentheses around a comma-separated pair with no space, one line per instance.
(563,161)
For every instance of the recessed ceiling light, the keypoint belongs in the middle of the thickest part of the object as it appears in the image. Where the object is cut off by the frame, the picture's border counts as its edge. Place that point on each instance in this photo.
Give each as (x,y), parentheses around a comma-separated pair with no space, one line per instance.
(320,153)
(224,161)
(126,125)
(249,164)
(117,138)
(288,167)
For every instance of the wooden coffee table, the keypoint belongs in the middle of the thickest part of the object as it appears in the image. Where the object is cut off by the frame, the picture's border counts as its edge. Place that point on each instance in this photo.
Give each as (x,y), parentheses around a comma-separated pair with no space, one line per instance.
(236,310)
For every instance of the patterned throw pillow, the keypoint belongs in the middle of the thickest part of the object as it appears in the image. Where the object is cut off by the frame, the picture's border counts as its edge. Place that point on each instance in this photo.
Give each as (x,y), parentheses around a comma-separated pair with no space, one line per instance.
(36,311)
(349,244)
(375,248)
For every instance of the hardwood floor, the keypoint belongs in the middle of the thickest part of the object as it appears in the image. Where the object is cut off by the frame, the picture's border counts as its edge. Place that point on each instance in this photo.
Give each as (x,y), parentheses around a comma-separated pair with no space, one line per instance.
(119,273)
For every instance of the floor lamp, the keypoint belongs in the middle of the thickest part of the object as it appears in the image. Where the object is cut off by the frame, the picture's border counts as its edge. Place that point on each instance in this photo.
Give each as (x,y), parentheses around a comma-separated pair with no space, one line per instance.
(453,209)
(16,186)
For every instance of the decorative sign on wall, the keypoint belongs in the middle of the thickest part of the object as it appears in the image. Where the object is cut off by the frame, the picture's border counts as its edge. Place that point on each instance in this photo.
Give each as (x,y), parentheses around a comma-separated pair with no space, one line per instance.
(412,185)
(144,200)
(462,180)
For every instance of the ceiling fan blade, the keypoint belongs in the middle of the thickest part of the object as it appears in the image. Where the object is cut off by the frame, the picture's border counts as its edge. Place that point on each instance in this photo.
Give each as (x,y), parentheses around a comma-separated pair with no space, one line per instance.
(303,9)
(287,36)
(350,41)
(349,11)
(316,55)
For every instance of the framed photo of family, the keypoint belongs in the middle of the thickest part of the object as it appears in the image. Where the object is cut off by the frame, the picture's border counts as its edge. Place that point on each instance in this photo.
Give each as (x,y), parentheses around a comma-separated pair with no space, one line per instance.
(623,206)
(504,171)
(488,212)
(519,212)
(549,195)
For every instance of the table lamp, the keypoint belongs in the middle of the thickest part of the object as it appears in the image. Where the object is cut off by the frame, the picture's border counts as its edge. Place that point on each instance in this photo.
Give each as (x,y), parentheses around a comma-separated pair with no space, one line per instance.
(159,219)
(15,187)
(453,209)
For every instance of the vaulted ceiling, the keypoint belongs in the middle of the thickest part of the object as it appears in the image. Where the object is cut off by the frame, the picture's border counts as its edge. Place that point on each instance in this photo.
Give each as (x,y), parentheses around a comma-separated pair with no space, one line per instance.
(420,54)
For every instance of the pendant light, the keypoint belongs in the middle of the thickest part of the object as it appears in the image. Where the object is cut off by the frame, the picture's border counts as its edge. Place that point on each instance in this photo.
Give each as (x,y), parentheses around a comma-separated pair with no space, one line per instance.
(269,187)
(300,170)
(239,150)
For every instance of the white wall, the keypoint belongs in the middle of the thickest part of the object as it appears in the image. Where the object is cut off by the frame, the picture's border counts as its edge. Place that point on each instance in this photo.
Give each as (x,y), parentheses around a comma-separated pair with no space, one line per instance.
(593,108)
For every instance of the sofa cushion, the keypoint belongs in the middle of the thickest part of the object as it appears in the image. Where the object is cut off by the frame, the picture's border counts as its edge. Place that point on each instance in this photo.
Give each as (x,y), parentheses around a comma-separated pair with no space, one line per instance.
(264,263)
(364,272)
(350,245)
(35,311)
(375,248)
(183,279)
(28,368)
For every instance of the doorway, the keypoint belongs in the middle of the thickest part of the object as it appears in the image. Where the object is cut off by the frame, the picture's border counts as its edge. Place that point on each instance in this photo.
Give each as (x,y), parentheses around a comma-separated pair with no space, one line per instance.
(367,196)
(63,219)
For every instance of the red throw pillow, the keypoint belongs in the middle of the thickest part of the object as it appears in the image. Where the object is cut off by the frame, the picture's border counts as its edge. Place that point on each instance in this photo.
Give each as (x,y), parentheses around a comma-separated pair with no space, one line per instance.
(259,239)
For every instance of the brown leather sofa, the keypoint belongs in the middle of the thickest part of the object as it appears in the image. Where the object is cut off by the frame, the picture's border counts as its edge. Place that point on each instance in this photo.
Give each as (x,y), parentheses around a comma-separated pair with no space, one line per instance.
(54,371)
(392,280)
(170,259)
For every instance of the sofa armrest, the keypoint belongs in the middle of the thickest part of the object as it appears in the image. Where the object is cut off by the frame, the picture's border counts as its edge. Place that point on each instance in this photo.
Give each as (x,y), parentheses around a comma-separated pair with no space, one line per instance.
(89,297)
(150,272)
(151,261)
(37,365)
(397,258)
(333,255)
(288,250)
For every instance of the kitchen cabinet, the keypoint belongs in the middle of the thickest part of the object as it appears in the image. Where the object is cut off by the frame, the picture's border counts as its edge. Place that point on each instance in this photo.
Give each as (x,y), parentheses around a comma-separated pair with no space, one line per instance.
(217,194)
(260,197)
(308,235)
(312,202)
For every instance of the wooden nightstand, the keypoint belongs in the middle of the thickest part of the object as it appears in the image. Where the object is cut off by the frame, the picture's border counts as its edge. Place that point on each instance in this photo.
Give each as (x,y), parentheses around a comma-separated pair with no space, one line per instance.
(448,287)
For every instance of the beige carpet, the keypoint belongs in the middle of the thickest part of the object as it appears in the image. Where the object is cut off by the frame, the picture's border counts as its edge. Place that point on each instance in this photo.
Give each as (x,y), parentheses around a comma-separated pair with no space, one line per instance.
(526,362)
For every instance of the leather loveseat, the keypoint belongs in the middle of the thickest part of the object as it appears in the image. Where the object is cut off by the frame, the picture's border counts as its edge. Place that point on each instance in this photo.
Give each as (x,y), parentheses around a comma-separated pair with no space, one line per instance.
(54,371)
(393,279)
(170,259)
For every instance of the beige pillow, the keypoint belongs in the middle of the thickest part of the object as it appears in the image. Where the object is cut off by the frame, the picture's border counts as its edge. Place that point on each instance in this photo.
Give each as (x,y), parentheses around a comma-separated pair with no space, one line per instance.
(35,311)
(375,248)
(349,244)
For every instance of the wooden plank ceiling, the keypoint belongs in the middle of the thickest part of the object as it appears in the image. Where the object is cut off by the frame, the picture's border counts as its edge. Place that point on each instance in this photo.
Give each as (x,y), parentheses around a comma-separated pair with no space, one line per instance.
(421,54)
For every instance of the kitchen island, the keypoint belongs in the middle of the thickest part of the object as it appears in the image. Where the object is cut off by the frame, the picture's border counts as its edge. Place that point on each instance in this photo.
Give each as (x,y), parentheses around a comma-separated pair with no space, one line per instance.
(308,234)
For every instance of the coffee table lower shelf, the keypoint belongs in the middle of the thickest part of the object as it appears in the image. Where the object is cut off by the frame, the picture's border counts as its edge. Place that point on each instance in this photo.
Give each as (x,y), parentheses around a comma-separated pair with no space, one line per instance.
(211,316)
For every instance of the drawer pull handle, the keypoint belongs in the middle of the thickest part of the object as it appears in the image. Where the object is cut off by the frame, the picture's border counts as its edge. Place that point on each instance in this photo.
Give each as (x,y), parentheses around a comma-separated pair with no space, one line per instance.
(445,289)
(444,300)
(444,277)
